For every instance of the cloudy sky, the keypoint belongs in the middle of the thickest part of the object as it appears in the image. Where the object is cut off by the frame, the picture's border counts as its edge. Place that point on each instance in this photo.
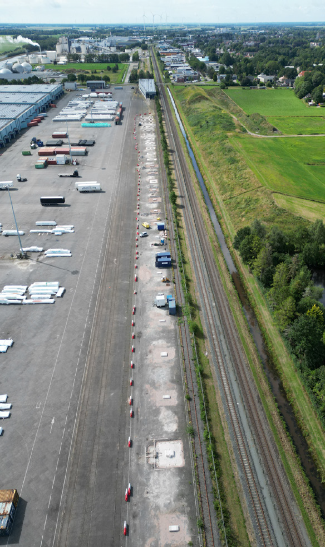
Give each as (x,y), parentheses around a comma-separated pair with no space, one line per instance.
(172,11)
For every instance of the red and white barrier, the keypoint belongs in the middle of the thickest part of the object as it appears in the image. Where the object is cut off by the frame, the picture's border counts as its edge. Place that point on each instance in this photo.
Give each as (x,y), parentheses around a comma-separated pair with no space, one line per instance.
(131,413)
(129,489)
(126,497)
(133,335)
(125,528)
(133,349)
(131,381)
(129,442)
(130,400)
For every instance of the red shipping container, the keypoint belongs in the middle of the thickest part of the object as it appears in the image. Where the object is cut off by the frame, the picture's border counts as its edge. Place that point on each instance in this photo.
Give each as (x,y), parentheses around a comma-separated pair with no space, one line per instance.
(45,151)
(51,161)
(59,135)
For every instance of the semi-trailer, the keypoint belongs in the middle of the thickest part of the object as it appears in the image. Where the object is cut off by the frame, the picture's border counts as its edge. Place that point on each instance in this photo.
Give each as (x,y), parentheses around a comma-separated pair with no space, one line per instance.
(52,200)
(88,186)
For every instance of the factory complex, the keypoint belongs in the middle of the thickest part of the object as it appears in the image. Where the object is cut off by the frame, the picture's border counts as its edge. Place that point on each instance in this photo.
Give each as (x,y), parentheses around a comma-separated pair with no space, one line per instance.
(20,104)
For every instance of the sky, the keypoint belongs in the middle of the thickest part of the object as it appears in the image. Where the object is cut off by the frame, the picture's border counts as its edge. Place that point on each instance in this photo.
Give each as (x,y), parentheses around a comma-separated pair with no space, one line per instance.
(172,11)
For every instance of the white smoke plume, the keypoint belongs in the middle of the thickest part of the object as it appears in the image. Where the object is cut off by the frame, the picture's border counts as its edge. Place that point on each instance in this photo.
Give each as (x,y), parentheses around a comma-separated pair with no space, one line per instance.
(18,40)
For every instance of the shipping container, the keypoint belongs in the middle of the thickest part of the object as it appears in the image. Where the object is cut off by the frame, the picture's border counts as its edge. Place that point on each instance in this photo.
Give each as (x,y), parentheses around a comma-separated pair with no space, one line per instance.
(59,135)
(52,161)
(61,159)
(7,508)
(54,142)
(172,307)
(163,254)
(26,153)
(52,200)
(5,525)
(81,151)
(46,151)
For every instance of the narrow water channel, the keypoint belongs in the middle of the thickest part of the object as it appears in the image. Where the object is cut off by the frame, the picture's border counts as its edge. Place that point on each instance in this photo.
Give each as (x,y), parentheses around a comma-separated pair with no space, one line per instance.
(273,378)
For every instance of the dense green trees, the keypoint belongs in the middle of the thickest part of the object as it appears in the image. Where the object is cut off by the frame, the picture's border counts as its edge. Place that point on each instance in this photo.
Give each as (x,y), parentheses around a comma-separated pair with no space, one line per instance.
(282,261)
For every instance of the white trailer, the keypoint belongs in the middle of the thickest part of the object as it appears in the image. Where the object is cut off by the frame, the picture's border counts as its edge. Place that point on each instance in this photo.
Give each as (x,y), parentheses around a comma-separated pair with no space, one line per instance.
(88,186)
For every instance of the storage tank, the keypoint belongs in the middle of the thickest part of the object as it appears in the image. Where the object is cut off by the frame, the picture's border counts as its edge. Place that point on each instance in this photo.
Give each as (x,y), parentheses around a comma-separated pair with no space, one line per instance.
(8,64)
(33,59)
(27,67)
(18,68)
(5,72)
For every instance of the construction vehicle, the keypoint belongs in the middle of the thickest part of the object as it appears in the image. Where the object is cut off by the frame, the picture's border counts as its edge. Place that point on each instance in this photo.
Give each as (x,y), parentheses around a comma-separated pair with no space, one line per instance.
(165,280)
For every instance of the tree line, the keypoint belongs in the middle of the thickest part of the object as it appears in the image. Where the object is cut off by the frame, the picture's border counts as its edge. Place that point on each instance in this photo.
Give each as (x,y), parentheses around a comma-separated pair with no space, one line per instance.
(284,263)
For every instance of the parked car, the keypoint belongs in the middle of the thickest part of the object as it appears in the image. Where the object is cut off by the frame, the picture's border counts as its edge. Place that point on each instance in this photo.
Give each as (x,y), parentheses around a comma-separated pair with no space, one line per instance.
(143,234)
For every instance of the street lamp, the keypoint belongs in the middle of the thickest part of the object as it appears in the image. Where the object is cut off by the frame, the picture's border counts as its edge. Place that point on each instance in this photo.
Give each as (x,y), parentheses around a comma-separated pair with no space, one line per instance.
(13,212)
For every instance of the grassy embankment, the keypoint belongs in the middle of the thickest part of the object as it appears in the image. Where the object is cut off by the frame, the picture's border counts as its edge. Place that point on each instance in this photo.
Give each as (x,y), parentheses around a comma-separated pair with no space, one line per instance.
(282,109)
(239,197)
(89,68)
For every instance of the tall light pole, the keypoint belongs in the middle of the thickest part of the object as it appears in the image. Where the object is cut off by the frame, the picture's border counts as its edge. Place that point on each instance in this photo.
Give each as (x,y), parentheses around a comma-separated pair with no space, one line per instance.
(13,212)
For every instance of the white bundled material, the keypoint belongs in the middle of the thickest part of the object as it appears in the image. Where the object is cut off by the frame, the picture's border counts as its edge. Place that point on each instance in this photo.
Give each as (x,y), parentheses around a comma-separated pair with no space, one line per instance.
(3,349)
(40,290)
(45,284)
(41,231)
(36,296)
(5,406)
(12,296)
(15,288)
(39,301)
(60,231)
(33,249)
(57,251)
(3,398)
(13,233)
(45,223)
(52,255)
(4,300)
(60,292)
(8,343)
(4,414)
(65,227)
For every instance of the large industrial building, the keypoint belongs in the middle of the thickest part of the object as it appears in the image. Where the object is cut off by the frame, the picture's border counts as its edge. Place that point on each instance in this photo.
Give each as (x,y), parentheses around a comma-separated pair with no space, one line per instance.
(147,88)
(19,104)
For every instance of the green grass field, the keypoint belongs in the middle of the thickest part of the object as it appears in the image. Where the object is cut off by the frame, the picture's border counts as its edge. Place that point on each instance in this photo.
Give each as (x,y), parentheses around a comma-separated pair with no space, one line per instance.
(272,102)
(311,210)
(299,125)
(88,68)
(292,166)
(85,66)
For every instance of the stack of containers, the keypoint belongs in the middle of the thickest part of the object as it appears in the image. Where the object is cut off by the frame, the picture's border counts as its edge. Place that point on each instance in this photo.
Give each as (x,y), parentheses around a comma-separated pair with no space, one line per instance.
(41,164)
(8,506)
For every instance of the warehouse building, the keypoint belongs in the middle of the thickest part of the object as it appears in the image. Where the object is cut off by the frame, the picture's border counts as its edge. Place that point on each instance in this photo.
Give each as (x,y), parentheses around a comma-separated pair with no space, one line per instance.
(147,88)
(19,104)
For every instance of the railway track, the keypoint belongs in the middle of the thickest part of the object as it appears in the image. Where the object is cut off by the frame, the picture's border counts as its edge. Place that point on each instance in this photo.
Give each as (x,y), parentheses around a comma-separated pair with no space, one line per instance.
(206,496)
(228,352)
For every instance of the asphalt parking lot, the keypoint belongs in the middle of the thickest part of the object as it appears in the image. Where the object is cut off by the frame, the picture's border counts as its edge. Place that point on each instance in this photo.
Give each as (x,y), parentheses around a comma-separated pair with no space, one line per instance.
(68,373)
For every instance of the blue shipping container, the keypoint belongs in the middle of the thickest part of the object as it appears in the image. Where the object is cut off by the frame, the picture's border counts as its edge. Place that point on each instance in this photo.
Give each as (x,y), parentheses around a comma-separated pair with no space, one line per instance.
(172,307)
(7,508)
(170,297)
(160,226)
(5,525)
